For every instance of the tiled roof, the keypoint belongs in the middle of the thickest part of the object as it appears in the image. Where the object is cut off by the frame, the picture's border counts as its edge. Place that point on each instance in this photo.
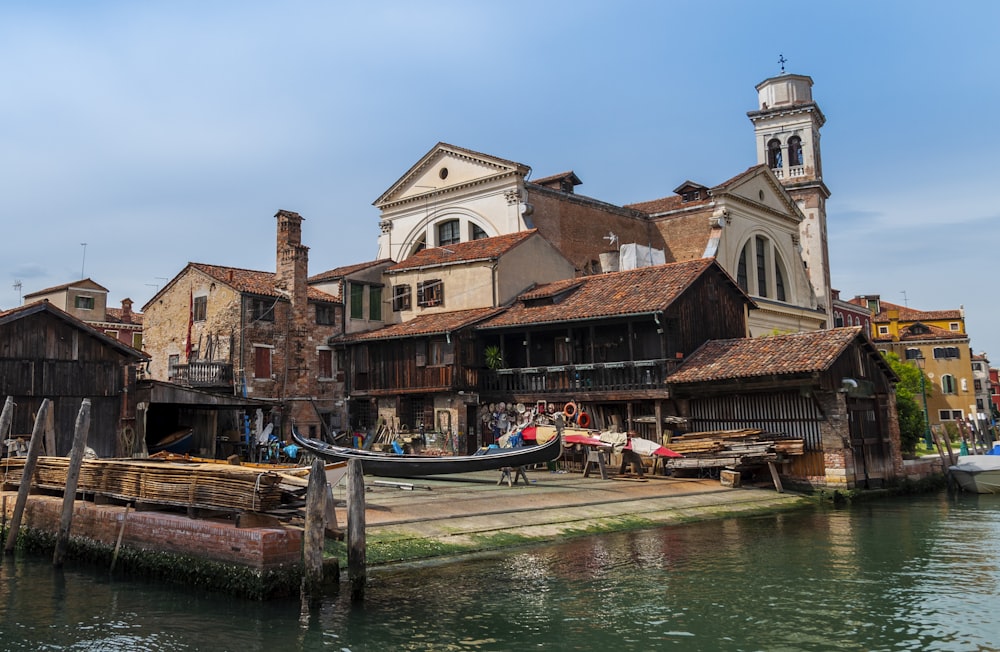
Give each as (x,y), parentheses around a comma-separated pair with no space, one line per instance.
(920,331)
(46,306)
(66,286)
(115,315)
(638,291)
(775,355)
(346,270)
(907,313)
(438,322)
(255,282)
(464,252)
(676,202)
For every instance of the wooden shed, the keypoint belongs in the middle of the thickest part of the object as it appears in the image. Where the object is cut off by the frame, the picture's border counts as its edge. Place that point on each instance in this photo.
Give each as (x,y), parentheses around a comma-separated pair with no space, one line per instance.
(830,388)
(47,353)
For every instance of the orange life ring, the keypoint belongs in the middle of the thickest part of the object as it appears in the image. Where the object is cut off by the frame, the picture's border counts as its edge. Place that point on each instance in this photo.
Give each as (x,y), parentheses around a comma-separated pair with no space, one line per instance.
(583,420)
(569,409)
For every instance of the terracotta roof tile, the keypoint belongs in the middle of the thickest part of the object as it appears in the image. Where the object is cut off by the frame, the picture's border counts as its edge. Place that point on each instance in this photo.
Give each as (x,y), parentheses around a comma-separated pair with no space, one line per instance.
(920,331)
(346,270)
(907,313)
(66,286)
(438,322)
(638,291)
(463,252)
(115,315)
(255,282)
(766,356)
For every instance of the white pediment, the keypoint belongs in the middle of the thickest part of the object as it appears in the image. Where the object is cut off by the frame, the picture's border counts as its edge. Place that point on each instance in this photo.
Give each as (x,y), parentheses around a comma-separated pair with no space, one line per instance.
(448,167)
(759,186)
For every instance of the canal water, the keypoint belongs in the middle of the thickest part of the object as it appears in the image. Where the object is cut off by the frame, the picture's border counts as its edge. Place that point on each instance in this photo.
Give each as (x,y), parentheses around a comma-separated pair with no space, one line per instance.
(897,574)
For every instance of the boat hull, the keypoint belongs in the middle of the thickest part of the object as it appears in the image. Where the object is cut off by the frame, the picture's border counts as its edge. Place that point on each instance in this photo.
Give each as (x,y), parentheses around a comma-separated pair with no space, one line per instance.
(977,473)
(412,466)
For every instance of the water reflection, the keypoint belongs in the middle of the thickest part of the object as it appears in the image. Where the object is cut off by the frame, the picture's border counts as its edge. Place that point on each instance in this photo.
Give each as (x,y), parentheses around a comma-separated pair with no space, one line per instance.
(894,575)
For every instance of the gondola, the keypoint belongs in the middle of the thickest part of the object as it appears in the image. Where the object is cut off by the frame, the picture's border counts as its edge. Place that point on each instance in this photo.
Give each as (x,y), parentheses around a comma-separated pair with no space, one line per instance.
(410,466)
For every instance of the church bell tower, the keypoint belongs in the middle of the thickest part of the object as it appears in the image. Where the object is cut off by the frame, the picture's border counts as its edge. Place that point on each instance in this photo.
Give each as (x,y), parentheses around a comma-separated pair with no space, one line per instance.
(786,127)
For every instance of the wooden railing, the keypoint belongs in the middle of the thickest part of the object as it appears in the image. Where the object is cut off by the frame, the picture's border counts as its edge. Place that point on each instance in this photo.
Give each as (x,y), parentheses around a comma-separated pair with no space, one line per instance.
(569,379)
(204,374)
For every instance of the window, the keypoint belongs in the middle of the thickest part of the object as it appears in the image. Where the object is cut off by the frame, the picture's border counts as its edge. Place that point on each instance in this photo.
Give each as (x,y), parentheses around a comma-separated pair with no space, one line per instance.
(774,154)
(324,363)
(375,303)
(779,281)
(950,415)
(965,384)
(440,353)
(84,303)
(948,384)
(172,362)
(761,268)
(262,309)
(430,293)
(953,326)
(838,320)
(741,272)
(564,350)
(401,297)
(978,384)
(979,405)
(448,233)
(478,233)
(200,308)
(324,314)
(357,301)
(262,362)
(137,341)
(112,334)
(795,151)
(977,366)
(913,354)
(883,330)
(941,352)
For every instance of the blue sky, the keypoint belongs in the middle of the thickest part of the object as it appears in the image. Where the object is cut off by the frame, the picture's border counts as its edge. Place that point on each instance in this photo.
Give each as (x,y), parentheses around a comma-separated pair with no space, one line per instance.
(166,132)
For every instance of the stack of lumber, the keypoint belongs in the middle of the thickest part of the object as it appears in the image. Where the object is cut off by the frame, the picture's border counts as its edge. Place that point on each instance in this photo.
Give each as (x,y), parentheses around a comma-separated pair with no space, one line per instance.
(203,486)
(730,448)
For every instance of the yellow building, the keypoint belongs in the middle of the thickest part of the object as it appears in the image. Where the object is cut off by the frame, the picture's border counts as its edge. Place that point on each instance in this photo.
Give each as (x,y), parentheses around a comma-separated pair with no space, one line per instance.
(935,341)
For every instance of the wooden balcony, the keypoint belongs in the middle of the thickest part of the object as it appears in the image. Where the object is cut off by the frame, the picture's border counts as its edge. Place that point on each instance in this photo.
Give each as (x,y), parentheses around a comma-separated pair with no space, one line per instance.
(204,373)
(581,378)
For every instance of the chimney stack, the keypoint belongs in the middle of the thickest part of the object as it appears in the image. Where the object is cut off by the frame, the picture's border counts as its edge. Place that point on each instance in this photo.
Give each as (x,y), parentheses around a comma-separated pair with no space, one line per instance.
(126,311)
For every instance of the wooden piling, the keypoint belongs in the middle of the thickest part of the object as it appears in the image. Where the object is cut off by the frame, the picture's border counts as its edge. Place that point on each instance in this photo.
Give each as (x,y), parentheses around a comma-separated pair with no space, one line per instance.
(26,477)
(315,530)
(6,417)
(356,572)
(72,479)
(121,534)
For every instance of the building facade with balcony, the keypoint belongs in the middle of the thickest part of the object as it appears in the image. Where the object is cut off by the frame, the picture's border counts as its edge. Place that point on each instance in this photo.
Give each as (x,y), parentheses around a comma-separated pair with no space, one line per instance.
(255,334)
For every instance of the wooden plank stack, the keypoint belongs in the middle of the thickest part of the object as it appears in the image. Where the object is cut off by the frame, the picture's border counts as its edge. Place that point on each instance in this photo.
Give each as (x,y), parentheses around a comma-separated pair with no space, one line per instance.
(202,486)
(730,448)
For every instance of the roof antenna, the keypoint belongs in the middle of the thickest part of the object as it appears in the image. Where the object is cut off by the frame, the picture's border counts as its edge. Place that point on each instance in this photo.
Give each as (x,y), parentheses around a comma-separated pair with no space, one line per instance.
(17,286)
(905,304)
(782,60)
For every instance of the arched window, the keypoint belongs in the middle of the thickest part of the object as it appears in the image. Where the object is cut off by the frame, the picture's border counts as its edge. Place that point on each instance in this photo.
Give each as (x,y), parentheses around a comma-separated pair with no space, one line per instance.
(741,272)
(774,154)
(448,233)
(779,280)
(795,151)
(761,267)
(947,384)
(478,233)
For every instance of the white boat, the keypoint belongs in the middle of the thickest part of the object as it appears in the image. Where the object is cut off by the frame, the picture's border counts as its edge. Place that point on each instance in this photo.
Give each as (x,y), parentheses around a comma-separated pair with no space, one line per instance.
(977,473)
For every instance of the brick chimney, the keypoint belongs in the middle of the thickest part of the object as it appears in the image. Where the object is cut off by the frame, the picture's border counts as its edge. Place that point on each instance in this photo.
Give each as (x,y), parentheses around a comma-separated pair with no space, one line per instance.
(293,261)
(126,311)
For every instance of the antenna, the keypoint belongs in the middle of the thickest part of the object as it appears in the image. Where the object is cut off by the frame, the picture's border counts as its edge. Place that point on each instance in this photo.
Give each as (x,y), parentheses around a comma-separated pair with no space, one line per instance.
(17,286)
(84,261)
(611,238)
(905,304)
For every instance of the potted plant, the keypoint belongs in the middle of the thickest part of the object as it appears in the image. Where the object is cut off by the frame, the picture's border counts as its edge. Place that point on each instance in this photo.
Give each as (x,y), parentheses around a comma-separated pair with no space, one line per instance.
(494,359)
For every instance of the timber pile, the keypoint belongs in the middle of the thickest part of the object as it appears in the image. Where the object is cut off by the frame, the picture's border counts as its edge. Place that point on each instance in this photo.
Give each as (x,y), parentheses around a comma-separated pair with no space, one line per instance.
(730,448)
(217,487)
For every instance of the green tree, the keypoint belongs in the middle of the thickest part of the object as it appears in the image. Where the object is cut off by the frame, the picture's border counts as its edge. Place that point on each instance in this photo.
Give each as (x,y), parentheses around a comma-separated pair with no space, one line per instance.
(909,402)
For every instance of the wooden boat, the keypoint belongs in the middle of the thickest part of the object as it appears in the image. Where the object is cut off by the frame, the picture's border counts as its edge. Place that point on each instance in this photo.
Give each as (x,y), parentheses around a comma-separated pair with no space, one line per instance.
(977,473)
(175,442)
(409,466)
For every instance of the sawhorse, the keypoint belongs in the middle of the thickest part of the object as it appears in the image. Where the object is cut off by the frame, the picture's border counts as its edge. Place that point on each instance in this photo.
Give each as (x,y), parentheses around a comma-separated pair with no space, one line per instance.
(512,474)
(595,458)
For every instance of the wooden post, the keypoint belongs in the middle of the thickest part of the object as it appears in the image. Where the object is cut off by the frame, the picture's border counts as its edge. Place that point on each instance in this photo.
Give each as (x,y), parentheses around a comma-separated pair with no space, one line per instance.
(49,442)
(356,571)
(29,470)
(118,543)
(6,417)
(315,532)
(72,479)
(775,477)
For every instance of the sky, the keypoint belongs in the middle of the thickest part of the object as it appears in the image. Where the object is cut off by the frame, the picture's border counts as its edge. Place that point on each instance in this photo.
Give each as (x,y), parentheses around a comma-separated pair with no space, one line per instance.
(140,136)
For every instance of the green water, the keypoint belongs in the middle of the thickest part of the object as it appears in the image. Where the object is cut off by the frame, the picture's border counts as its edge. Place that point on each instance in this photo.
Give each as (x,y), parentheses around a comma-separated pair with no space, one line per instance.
(901,574)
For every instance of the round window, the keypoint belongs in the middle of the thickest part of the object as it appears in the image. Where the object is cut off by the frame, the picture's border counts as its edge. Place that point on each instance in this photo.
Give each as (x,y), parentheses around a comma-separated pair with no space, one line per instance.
(443,173)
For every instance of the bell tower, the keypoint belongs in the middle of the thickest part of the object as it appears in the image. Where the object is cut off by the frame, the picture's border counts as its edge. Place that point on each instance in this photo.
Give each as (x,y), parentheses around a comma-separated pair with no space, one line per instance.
(786,128)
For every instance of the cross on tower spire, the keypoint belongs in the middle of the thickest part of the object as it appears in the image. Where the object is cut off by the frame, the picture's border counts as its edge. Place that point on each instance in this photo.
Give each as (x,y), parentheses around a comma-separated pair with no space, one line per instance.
(782,60)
